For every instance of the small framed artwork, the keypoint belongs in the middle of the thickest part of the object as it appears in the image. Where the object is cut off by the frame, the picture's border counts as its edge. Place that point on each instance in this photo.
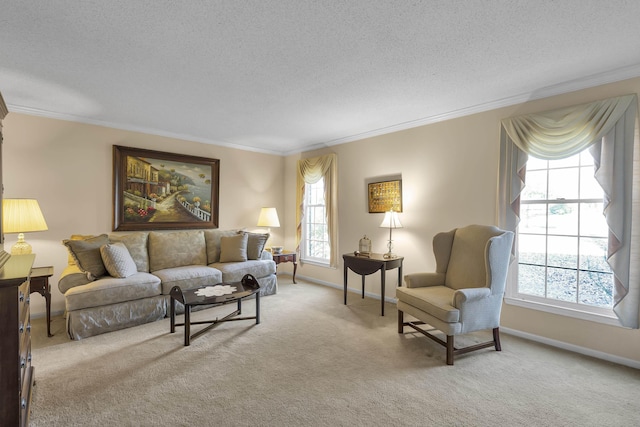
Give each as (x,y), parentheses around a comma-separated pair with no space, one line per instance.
(156,190)
(384,196)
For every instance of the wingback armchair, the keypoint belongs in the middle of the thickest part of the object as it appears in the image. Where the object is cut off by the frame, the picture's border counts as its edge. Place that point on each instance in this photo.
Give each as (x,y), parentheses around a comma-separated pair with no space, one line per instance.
(465,292)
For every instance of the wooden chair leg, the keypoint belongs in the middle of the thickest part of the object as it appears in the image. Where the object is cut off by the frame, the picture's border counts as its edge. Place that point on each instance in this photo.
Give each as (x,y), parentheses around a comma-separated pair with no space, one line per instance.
(449,349)
(400,322)
(496,339)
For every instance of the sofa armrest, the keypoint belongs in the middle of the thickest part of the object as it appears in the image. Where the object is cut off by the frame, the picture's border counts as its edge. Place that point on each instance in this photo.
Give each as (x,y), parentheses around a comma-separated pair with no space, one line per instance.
(71,277)
(266,255)
(421,280)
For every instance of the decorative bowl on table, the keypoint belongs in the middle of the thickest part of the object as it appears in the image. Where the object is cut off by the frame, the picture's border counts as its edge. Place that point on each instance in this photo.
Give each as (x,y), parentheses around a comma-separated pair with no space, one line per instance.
(276,250)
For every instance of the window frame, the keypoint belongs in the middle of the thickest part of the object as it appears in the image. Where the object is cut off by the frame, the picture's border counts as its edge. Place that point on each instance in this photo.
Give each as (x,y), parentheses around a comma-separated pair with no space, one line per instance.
(545,303)
(304,247)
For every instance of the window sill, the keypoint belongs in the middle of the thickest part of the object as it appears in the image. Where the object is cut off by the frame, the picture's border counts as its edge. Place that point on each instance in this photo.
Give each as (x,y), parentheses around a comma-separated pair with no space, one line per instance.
(563,311)
(315,262)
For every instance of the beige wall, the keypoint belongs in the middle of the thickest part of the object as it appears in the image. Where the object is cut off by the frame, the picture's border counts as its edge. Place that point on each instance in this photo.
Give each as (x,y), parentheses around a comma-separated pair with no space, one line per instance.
(449,175)
(67,167)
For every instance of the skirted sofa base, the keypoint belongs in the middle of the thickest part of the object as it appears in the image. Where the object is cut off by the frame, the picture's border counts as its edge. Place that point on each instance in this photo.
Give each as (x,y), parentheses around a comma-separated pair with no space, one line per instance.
(189,259)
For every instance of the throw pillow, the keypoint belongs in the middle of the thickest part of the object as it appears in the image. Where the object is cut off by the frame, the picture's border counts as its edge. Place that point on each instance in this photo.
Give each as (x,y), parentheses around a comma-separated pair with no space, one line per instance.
(86,254)
(255,244)
(117,260)
(233,248)
(78,237)
(136,243)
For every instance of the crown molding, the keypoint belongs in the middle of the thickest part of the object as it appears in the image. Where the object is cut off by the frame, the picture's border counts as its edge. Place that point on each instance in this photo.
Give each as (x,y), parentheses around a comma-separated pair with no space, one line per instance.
(141,129)
(558,89)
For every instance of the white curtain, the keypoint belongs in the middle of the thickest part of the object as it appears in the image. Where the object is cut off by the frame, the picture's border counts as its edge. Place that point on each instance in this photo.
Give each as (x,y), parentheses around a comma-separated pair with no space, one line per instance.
(608,129)
(309,172)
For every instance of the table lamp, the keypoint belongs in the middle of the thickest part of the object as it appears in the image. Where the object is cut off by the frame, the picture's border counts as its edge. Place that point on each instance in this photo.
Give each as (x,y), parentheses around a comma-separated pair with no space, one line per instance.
(390,220)
(22,216)
(269,218)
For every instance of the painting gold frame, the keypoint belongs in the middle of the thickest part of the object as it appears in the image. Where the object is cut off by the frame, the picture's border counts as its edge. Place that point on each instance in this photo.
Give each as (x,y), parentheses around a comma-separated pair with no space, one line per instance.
(384,196)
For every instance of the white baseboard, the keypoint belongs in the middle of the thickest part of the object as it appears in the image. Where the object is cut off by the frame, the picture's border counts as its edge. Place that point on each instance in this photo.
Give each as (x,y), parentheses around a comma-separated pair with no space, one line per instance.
(341,288)
(574,348)
(537,338)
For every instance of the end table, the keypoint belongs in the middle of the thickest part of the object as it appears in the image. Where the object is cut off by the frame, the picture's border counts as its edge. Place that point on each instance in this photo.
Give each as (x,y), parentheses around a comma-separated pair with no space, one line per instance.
(287,256)
(368,265)
(39,282)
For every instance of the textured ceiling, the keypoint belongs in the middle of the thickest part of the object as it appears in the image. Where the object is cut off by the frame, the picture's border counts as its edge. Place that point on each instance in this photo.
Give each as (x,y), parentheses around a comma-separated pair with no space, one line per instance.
(290,75)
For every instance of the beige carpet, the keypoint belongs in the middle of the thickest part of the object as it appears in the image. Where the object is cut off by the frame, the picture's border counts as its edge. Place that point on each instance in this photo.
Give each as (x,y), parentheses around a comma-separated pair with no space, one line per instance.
(316,362)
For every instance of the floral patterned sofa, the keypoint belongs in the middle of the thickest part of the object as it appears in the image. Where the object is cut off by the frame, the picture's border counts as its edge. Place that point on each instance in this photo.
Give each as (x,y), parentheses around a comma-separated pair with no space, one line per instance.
(117,281)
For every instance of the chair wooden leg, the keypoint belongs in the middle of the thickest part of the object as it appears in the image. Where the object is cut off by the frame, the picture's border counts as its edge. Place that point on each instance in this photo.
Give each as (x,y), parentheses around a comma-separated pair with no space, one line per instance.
(496,339)
(400,322)
(450,349)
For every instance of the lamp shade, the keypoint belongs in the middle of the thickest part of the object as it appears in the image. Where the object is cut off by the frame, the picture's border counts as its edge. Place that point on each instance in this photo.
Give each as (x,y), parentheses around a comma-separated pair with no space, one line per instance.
(22,216)
(391,220)
(268,218)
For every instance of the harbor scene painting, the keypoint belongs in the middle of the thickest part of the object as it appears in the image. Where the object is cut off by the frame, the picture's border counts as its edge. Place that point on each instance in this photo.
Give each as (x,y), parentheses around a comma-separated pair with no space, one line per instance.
(158,190)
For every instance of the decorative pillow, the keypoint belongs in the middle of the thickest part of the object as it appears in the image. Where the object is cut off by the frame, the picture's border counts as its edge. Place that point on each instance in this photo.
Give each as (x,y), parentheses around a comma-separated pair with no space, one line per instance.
(78,237)
(233,248)
(212,239)
(136,243)
(117,260)
(255,244)
(86,254)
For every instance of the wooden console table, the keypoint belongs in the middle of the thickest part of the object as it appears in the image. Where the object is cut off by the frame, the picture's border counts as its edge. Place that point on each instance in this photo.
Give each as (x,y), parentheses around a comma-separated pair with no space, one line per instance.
(40,283)
(287,256)
(364,266)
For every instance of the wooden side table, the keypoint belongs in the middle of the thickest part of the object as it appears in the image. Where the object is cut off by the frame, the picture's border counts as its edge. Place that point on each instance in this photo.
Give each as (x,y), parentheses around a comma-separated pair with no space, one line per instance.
(40,283)
(368,265)
(287,256)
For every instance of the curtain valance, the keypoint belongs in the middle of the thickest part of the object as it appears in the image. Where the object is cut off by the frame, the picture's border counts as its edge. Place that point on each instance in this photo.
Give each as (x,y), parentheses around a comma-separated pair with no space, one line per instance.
(561,133)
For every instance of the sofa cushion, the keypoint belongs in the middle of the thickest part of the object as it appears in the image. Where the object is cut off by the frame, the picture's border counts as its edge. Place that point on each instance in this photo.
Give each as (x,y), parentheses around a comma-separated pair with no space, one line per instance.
(233,248)
(255,244)
(137,245)
(117,260)
(176,249)
(110,290)
(212,238)
(86,254)
(235,271)
(188,277)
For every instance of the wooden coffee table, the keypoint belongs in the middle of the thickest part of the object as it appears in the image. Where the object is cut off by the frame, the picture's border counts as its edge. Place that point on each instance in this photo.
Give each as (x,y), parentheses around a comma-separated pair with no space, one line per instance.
(237,291)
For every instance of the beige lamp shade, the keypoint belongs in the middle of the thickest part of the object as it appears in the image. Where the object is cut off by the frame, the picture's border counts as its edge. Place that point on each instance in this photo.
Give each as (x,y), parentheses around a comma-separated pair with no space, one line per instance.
(390,221)
(268,218)
(22,216)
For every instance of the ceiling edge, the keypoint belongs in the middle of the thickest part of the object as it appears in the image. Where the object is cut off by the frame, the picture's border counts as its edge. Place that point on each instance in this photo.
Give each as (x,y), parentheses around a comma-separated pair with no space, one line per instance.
(558,89)
(140,129)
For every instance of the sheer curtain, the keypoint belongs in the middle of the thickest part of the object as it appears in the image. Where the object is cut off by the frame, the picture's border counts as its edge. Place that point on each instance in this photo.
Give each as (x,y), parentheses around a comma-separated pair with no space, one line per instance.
(608,129)
(310,171)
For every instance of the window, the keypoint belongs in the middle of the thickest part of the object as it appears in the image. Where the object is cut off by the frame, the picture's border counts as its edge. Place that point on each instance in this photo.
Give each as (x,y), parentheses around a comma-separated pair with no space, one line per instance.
(315,236)
(562,236)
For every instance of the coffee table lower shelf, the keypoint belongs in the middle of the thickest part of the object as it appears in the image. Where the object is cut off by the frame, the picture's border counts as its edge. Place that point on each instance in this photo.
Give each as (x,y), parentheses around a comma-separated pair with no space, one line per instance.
(189,298)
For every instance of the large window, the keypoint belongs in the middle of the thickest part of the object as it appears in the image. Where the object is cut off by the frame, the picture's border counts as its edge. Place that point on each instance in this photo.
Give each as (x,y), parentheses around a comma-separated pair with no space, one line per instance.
(562,236)
(315,235)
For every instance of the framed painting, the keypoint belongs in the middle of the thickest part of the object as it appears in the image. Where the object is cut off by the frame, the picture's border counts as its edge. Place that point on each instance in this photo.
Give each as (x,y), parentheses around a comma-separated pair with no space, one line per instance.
(384,196)
(154,190)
